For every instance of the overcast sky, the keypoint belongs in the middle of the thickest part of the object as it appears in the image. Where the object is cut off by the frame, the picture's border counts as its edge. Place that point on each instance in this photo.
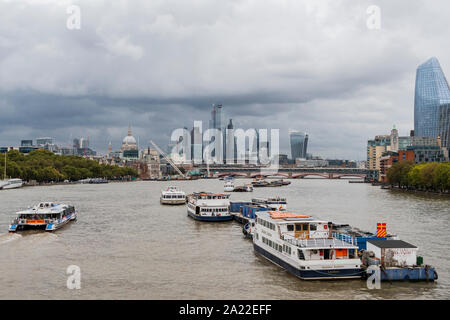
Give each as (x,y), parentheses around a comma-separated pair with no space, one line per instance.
(312,66)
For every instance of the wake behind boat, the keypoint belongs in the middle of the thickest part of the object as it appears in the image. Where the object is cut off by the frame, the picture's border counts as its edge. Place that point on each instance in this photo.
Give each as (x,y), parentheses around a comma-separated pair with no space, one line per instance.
(48,216)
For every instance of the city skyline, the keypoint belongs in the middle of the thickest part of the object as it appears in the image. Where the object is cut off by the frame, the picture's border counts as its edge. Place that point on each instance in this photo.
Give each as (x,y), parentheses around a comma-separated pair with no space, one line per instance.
(161,77)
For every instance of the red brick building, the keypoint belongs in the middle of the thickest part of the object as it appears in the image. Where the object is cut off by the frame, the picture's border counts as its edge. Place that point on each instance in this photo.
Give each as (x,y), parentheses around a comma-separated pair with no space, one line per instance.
(389,158)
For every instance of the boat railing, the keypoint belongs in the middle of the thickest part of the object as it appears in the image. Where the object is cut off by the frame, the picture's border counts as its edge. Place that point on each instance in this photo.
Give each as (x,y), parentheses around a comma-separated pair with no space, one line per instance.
(316,242)
(345,237)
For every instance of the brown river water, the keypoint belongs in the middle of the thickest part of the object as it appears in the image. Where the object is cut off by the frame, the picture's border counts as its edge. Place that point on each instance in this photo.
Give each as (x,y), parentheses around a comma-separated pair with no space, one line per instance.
(128,246)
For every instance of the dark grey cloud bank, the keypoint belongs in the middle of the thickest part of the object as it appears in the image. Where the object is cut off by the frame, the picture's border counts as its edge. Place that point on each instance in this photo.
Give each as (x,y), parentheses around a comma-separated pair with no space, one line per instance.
(305,65)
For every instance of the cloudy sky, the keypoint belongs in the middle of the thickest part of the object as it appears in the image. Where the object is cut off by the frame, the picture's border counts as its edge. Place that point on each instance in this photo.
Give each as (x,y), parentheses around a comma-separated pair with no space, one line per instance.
(313,66)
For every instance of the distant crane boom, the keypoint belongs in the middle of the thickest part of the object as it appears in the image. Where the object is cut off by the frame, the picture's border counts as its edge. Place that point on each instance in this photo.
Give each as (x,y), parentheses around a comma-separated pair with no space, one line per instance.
(168,159)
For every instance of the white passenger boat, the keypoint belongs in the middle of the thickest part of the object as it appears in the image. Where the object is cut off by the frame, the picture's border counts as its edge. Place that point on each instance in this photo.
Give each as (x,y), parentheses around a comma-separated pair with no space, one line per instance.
(206,206)
(304,246)
(48,216)
(11,184)
(229,186)
(172,195)
(275,203)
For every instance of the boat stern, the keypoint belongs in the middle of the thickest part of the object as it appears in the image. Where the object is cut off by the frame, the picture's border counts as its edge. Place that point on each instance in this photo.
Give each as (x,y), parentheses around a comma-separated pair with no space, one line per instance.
(50,227)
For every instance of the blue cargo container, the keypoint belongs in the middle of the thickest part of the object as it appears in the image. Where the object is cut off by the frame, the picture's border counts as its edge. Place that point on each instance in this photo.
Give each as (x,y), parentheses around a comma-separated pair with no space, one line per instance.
(407,274)
(249,211)
(236,206)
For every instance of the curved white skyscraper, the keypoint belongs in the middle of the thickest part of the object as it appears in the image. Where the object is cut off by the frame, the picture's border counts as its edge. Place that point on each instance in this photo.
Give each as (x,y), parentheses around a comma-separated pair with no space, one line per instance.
(432,94)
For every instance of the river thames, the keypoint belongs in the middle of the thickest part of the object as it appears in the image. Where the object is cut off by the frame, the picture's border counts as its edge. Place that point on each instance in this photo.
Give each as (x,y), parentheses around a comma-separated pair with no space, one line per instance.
(128,246)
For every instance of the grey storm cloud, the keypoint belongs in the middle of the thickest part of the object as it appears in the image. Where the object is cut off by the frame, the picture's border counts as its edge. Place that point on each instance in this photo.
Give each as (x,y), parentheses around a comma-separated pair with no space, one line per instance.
(160,64)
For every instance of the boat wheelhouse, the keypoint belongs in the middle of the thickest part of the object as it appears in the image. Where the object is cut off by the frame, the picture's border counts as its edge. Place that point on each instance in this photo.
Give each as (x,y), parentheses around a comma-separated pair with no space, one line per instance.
(207,206)
(304,246)
(48,216)
(275,203)
(172,195)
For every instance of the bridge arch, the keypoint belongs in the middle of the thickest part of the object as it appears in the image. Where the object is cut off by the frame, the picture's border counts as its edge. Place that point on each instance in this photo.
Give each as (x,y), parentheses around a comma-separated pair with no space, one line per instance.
(305,174)
(344,175)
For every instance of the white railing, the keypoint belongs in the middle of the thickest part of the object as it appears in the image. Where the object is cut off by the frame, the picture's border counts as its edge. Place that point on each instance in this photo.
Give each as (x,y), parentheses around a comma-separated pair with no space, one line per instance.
(314,242)
(345,238)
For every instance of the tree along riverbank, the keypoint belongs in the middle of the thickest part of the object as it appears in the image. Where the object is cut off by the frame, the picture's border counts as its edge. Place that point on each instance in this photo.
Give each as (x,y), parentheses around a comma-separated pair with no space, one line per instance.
(44,166)
(427,177)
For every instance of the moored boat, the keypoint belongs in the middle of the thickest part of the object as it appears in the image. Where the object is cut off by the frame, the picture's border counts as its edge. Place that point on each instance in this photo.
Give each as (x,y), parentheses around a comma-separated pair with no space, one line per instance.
(275,203)
(260,183)
(47,216)
(207,206)
(395,260)
(11,184)
(245,188)
(229,186)
(172,195)
(304,246)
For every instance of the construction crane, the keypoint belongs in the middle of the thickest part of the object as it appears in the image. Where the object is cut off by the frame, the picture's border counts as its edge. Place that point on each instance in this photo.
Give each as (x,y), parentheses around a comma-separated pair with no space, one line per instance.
(168,159)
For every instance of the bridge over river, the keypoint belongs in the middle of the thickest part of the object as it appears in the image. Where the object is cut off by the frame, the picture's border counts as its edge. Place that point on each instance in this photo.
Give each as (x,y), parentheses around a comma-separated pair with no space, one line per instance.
(295,173)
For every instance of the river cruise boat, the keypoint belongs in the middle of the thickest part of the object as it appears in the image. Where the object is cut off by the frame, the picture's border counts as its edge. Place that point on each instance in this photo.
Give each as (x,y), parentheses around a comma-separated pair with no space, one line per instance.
(47,216)
(229,186)
(11,184)
(172,195)
(207,206)
(275,203)
(304,246)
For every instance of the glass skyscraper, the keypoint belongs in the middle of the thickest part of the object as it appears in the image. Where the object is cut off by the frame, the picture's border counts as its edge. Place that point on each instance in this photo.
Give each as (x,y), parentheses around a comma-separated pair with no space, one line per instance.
(432,92)
(299,144)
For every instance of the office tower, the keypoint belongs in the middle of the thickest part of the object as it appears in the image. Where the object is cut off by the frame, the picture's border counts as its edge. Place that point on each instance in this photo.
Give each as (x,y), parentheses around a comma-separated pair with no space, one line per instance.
(197,142)
(217,122)
(26,143)
(299,144)
(432,92)
(375,150)
(230,144)
(76,143)
(44,141)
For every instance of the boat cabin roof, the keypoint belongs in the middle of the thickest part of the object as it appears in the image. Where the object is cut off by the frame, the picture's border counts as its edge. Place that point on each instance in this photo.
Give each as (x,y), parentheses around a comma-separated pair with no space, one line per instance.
(284,217)
(45,207)
(173,189)
(391,244)
(268,199)
(210,194)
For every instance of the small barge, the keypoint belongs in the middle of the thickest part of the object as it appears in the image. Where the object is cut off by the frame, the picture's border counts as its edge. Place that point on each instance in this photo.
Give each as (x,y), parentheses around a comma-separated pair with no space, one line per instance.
(396,260)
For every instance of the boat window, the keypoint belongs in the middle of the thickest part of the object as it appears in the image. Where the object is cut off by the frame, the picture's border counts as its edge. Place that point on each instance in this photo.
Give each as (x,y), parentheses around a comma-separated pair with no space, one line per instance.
(312,227)
(298,227)
(301,256)
(351,253)
(290,227)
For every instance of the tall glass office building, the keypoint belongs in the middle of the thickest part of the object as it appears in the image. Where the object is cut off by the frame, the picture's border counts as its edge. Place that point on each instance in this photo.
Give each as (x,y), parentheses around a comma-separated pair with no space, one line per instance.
(432,92)
(299,144)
